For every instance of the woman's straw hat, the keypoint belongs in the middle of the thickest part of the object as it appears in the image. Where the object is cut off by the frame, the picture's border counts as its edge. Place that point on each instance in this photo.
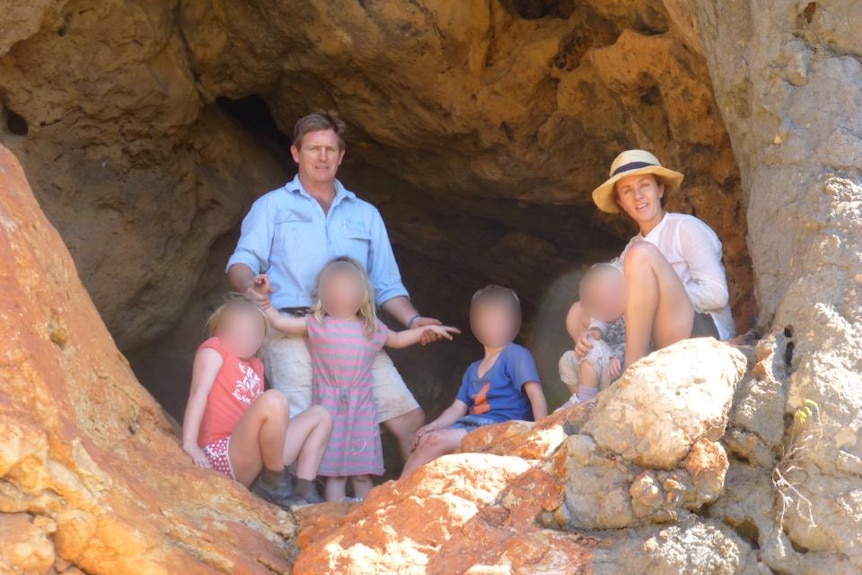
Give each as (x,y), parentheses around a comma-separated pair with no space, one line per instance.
(629,163)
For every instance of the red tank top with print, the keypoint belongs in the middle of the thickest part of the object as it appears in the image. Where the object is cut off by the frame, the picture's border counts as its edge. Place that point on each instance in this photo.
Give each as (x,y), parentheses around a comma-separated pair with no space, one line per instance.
(238,383)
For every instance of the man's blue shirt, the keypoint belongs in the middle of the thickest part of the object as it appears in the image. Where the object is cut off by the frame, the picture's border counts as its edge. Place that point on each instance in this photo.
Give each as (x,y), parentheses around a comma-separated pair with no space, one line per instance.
(287,236)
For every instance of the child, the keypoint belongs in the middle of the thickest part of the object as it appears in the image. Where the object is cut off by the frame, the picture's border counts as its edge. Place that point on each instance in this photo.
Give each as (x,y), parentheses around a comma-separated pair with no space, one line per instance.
(344,336)
(235,427)
(603,297)
(503,385)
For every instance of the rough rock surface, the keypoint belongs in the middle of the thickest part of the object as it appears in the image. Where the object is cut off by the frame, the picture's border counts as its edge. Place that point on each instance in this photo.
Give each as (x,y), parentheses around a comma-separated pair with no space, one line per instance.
(792,104)
(530,498)
(671,400)
(92,478)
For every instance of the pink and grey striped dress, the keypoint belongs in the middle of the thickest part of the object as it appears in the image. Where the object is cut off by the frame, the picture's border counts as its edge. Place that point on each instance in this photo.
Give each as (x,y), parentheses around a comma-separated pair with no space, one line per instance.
(342,354)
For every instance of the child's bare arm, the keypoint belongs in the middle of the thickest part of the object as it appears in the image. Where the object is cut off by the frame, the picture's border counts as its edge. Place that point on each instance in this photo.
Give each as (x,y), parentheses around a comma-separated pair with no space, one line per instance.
(408,337)
(286,324)
(453,412)
(207,364)
(533,389)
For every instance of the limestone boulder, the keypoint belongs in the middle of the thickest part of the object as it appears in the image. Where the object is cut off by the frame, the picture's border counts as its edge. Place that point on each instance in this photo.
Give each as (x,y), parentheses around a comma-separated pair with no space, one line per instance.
(791,101)
(693,547)
(93,477)
(667,402)
(408,526)
(522,497)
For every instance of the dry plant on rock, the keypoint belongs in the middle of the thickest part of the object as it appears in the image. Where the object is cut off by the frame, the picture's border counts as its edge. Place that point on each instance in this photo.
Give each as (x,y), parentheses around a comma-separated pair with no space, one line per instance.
(806,432)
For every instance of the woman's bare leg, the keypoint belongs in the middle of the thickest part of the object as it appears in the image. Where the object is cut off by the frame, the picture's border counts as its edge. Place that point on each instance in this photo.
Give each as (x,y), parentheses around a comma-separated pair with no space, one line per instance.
(432,446)
(258,440)
(307,440)
(657,307)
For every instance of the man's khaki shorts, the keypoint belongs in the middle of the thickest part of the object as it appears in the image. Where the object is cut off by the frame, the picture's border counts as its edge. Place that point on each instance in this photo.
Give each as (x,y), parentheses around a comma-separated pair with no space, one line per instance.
(288,369)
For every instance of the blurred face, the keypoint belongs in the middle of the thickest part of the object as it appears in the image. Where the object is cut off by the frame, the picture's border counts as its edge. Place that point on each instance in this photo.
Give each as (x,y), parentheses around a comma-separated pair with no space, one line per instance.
(495,323)
(341,291)
(242,331)
(318,157)
(640,196)
(604,297)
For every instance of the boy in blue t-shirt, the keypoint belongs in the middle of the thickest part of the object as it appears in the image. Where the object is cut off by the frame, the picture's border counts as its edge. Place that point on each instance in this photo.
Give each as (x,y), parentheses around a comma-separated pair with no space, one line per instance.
(503,385)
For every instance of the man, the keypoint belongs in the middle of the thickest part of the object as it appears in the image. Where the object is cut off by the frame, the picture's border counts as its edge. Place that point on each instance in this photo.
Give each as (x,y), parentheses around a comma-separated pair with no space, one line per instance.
(290,233)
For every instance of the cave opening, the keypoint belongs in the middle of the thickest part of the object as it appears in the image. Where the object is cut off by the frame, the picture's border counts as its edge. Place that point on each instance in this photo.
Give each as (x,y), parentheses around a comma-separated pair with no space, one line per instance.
(15,123)
(446,250)
(255,115)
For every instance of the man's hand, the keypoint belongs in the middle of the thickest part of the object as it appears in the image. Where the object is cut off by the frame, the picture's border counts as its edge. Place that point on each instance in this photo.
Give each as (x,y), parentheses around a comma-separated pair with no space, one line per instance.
(615,367)
(585,342)
(441,331)
(428,336)
(260,289)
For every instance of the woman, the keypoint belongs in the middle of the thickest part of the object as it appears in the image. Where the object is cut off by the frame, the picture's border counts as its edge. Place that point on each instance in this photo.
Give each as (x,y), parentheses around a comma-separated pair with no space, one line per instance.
(676,283)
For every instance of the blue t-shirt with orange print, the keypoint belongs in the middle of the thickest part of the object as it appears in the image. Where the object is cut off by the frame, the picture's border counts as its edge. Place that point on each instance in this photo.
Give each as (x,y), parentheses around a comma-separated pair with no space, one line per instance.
(499,393)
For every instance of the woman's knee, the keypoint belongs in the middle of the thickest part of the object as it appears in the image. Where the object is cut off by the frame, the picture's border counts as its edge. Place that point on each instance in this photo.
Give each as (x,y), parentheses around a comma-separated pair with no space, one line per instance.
(577,320)
(641,253)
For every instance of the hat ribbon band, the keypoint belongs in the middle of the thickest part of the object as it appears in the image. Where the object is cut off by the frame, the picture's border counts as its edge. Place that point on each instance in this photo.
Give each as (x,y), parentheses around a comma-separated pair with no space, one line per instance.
(633,166)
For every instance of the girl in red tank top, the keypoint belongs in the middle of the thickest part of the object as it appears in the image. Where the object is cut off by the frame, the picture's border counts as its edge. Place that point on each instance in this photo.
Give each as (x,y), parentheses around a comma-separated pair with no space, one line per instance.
(235,427)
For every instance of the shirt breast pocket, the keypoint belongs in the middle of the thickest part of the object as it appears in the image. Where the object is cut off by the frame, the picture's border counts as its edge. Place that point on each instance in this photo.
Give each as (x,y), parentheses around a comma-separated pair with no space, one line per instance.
(293,232)
(356,242)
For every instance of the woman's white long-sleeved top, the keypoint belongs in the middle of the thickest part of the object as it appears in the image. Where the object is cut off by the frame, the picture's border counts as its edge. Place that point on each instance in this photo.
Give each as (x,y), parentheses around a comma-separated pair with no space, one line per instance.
(694,251)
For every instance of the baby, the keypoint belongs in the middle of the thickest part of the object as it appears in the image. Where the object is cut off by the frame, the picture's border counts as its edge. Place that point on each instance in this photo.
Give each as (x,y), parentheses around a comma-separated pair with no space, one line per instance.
(603,297)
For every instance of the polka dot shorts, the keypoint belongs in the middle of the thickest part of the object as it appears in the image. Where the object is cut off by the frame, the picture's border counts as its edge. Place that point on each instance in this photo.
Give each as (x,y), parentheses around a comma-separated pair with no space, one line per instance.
(217,455)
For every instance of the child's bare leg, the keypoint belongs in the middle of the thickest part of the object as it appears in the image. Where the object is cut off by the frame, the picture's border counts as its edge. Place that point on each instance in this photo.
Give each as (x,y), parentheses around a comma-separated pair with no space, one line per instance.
(432,446)
(336,488)
(589,381)
(258,440)
(307,440)
(362,484)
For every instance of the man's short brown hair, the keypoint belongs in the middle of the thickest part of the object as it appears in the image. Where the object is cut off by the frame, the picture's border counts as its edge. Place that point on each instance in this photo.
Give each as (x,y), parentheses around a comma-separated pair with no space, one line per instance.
(316,122)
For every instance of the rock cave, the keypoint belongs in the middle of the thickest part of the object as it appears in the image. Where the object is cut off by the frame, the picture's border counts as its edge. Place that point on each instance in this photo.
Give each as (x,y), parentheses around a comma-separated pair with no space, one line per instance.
(146,130)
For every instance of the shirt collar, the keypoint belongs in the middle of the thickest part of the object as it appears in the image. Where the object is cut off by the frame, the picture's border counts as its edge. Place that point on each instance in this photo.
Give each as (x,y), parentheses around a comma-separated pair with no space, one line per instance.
(341,193)
(654,232)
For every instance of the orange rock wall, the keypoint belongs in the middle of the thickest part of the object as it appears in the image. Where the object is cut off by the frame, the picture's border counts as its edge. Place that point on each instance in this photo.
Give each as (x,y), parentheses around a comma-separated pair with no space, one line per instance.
(91,473)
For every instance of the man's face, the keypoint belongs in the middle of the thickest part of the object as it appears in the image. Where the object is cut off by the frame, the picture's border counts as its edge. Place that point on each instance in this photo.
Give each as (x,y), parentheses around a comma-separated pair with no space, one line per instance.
(319,157)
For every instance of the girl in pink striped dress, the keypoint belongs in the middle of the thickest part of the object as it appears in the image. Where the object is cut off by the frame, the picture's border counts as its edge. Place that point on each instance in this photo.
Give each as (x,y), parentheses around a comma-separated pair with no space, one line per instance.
(344,336)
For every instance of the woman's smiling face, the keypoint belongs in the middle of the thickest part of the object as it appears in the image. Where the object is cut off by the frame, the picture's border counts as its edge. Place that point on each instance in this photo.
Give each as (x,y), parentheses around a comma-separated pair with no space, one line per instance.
(639,195)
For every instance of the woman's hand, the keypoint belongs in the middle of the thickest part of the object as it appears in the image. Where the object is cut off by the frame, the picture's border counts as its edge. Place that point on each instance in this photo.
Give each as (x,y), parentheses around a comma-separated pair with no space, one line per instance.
(197,455)
(585,342)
